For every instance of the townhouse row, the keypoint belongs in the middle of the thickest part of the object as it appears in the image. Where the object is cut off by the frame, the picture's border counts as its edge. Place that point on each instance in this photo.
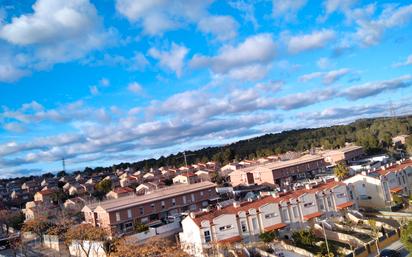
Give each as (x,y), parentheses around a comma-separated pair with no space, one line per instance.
(385,188)
(246,221)
(120,215)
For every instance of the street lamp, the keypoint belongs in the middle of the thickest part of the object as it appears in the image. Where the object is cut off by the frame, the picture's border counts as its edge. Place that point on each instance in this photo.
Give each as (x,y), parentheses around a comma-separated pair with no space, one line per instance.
(324,234)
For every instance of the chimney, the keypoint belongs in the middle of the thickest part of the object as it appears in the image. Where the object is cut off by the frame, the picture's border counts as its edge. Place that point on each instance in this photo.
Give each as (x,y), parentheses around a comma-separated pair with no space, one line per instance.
(192,215)
(336,179)
(308,186)
(364,173)
(236,204)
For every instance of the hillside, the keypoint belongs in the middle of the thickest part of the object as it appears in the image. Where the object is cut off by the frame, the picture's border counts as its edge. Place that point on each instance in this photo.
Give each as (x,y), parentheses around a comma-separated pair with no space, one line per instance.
(374,134)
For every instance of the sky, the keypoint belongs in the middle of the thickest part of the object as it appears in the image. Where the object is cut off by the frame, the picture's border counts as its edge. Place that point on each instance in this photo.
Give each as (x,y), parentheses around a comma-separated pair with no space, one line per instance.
(100,82)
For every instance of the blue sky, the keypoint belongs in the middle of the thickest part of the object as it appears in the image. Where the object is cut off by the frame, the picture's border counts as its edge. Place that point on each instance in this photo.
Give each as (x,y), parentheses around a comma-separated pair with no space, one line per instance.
(101,82)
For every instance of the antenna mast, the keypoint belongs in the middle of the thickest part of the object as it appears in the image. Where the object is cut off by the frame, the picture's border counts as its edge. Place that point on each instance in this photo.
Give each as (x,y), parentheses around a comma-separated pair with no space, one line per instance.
(64,164)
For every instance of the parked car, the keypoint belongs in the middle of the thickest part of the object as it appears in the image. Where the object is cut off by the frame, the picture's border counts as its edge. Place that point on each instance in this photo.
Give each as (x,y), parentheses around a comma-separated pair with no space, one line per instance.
(389,253)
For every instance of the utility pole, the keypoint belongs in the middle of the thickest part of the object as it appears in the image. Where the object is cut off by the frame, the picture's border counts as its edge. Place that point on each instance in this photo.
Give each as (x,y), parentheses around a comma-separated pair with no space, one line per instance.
(64,165)
(326,239)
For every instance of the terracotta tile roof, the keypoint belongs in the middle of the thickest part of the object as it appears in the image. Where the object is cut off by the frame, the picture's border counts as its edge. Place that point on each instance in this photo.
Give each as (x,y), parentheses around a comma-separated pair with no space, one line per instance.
(344,205)
(396,189)
(245,206)
(274,227)
(313,215)
(47,192)
(230,240)
(395,168)
(123,190)
(188,174)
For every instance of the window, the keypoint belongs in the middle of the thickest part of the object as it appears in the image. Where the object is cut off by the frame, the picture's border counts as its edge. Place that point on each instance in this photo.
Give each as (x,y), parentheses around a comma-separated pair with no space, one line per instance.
(117,216)
(152,205)
(129,213)
(295,212)
(243,226)
(225,227)
(128,226)
(285,214)
(270,215)
(340,195)
(329,202)
(141,210)
(207,236)
(201,193)
(173,201)
(193,197)
(307,205)
(162,203)
(254,224)
(321,206)
(184,199)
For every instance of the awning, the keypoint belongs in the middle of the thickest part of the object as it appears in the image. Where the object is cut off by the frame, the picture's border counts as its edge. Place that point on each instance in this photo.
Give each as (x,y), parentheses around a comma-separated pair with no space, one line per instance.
(396,189)
(274,227)
(311,216)
(344,205)
(230,240)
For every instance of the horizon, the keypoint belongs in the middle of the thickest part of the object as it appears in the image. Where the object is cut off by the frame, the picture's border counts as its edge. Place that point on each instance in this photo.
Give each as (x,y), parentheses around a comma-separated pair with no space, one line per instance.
(104,82)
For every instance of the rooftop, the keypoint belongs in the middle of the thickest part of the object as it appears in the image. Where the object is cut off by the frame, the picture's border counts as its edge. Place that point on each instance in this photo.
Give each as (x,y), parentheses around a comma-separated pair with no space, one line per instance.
(163,193)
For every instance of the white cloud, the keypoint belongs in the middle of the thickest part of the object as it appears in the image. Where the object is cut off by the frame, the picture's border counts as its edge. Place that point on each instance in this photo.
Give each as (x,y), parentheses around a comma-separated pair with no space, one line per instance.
(332,6)
(159,16)
(370,30)
(323,63)
(377,87)
(222,27)
(104,82)
(11,73)
(407,62)
(287,9)
(94,90)
(56,31)
(172,60)
(328,78)
(134,87)
(250,56)
(299,100)
(314,40)
(248,11)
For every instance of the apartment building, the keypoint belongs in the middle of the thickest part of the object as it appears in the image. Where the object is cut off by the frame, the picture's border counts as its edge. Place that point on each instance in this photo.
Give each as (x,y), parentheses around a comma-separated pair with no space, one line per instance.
(245,221)
(280,173)
(377,189)
(119,215)
(347,153)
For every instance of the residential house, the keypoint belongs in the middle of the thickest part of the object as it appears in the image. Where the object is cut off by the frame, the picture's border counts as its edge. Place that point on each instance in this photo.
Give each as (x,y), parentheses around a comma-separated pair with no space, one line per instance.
(119,192)
(119,215)
(186,178)
(379,189)
(279,213)
(45,196)
(147,187)
(345,154)
(75,204)
(280,173)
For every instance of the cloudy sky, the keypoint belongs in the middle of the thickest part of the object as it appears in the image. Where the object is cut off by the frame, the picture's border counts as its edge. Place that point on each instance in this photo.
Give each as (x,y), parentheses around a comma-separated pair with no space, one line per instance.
(100,82)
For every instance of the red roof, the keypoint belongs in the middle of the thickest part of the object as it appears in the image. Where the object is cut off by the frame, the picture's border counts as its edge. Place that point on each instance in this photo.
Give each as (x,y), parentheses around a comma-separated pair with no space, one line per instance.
(123,190)
(395,168)
(265,200)
(188,174)
(47,192)
(313,215)
(230,240)
(344,205)
(275,227)
(396,189)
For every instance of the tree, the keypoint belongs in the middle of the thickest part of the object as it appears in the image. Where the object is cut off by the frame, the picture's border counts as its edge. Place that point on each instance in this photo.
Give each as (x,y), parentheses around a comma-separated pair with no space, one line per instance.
(84,235)
(304,237)
(13,219)
(61,174)
(154,247)
(38,226)
(341,171)
(268,237)
(408,143)
(406,236)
